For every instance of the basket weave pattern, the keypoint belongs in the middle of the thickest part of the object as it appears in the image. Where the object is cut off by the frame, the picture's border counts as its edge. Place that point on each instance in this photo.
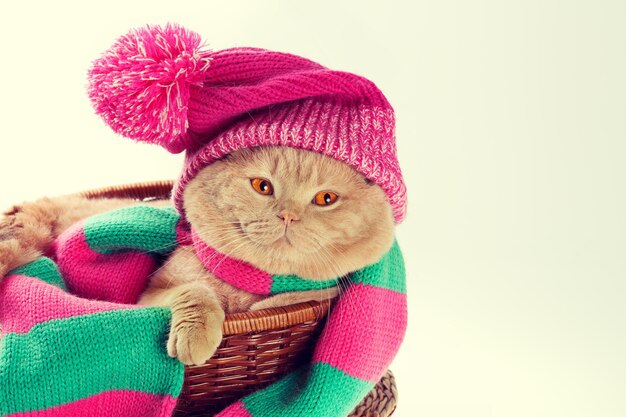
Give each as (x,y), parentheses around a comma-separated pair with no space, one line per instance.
(258,347)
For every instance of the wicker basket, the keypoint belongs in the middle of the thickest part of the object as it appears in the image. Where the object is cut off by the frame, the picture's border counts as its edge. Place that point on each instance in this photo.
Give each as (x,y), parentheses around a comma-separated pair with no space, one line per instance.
(258,346)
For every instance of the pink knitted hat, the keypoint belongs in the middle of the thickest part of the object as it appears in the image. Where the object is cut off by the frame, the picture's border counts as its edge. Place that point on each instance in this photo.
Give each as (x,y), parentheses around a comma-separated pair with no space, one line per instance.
(160,85)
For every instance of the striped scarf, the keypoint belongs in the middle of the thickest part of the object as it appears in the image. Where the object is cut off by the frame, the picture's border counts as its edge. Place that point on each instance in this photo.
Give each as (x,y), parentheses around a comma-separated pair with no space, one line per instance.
(66,350)
(249,278)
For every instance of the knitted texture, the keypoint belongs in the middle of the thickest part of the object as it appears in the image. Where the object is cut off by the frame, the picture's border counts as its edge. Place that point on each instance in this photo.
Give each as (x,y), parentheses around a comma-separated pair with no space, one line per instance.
(245,97)
(64,355)
(361,337)
(152,105)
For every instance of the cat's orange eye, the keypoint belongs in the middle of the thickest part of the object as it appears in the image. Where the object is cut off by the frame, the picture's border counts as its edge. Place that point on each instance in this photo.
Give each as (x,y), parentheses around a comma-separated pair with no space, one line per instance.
(325,198)
(262,186)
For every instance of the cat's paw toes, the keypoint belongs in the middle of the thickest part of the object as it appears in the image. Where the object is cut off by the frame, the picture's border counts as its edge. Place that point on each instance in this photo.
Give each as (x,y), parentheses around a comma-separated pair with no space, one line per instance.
(9,255)
(13,255)
(194,344)
(13,210)
(8,227)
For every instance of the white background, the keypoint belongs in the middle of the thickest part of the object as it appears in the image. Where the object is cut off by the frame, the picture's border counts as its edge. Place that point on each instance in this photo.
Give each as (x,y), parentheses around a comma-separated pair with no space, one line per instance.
(511,133)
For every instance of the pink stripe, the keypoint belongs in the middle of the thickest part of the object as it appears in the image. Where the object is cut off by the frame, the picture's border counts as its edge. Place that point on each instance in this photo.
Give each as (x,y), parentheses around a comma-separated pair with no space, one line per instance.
(183,233)
(119,278)
(111,404)
(364,331)
(29,301)
(235,410)
(235,272)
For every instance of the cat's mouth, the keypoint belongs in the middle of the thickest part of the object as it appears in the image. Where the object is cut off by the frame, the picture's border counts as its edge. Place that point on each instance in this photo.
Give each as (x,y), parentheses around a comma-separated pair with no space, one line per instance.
(283,240)
(271,239)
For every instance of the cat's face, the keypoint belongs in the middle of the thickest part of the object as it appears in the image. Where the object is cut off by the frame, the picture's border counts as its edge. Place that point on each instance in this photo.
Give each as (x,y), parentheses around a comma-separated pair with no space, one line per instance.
(290,211)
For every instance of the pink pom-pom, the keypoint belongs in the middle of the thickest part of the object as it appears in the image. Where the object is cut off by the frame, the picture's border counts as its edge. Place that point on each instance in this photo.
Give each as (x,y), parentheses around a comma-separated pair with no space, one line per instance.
(140,87)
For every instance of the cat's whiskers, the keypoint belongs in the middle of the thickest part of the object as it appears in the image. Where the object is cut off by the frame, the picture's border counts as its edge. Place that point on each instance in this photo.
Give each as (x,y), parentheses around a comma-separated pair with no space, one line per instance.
(330,260)
(217,233)
(342,284)
(228,249)
(170,259)
(225,253)
(225,248)
(191,259)
(318,263)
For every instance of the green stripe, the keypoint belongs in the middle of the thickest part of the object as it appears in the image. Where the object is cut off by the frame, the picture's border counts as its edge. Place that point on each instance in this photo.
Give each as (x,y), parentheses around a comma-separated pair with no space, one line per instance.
(66,360)
(142,228)
(44,269)
(387,273)
(325,391)
(286,283)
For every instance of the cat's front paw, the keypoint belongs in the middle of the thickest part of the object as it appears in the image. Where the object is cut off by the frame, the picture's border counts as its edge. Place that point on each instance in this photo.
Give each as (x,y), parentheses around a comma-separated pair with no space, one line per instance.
(193,340)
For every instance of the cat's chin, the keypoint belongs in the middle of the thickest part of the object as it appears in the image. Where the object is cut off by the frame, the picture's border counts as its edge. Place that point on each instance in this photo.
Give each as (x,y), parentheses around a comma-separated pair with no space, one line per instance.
(284,258)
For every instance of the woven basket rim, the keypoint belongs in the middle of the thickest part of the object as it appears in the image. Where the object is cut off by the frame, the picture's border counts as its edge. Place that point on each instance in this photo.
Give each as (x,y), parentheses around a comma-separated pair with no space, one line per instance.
(235,323)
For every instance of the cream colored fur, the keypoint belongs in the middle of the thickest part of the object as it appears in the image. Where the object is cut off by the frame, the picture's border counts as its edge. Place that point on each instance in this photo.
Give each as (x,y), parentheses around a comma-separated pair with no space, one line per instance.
(318,243)
(28,230)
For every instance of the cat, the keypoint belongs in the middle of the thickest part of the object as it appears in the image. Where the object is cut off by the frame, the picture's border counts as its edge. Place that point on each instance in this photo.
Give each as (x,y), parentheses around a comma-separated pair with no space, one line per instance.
(283,210)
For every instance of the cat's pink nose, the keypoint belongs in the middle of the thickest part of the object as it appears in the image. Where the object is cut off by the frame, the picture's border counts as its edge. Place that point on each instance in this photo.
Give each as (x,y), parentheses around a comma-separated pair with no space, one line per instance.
(288,217)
